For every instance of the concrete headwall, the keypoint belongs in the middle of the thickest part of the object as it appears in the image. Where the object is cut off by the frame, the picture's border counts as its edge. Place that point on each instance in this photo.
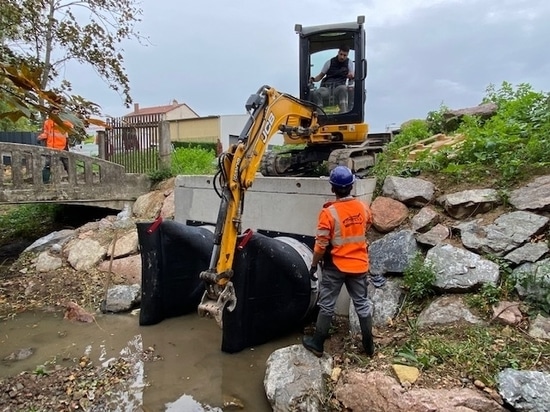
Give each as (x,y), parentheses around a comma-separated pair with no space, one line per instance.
(280,204)
(284,204)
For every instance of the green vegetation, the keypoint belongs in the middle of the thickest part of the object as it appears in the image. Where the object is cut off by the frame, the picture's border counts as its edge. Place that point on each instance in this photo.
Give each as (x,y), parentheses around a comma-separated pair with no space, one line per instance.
(489,295)
(419,278)
(193,160)
(505,148)
(40,370)
(38,37)
(476,351)
(538,287)
(20,125)
(27,221)
(501,151)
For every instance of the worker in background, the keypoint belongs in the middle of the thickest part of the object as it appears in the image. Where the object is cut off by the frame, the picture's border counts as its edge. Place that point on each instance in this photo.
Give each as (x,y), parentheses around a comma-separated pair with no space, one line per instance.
(341,245)
(55,138)
(334,75)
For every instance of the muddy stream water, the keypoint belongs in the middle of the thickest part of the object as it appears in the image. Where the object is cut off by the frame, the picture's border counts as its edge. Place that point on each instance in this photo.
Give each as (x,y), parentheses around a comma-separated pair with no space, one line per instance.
(192,374)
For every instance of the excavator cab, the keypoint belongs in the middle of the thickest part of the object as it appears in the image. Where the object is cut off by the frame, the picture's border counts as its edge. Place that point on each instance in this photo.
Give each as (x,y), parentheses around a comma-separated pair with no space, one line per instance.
(319,44)
(343,136)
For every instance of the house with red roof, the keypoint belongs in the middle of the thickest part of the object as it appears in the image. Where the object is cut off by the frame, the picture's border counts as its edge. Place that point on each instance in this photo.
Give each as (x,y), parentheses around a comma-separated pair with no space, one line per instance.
(170,112)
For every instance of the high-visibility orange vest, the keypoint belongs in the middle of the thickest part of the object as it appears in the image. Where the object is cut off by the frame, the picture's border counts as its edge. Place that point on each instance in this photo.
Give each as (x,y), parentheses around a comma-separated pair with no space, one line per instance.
(54,136)
(342,228)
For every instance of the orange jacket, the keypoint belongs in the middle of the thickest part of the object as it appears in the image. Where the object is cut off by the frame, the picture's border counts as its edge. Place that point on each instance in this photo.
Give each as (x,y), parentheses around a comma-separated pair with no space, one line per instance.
(341,231)
(55,137)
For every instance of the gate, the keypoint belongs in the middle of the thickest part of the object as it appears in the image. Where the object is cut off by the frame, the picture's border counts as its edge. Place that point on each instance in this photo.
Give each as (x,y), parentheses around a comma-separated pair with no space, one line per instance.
(133,142)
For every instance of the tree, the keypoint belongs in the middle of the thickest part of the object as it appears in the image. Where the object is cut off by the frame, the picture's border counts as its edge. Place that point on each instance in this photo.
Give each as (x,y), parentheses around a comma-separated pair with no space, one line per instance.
(38,36)
(23,124)
(48,33)
(20,91)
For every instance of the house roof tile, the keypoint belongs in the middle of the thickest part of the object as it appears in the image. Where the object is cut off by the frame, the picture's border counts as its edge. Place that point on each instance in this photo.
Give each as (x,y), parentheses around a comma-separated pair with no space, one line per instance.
(141,111)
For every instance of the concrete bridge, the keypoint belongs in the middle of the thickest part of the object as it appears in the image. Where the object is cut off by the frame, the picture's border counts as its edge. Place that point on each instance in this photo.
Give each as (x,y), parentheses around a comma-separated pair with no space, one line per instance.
(25,178)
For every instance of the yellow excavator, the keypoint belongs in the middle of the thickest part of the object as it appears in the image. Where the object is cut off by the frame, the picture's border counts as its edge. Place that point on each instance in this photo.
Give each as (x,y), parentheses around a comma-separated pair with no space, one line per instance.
(324,134)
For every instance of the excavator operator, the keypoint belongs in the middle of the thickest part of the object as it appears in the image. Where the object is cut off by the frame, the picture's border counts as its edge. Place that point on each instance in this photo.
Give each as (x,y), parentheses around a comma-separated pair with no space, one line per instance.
(334,75)
(341,243)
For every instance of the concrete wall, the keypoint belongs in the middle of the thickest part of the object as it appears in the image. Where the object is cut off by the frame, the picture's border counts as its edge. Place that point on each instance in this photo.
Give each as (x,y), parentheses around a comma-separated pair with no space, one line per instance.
(201,129)
(181,112)
(285,204)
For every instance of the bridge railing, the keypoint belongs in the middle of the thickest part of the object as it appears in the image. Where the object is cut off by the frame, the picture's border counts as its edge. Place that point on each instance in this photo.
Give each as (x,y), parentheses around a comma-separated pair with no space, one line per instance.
(24,165)
(25,176)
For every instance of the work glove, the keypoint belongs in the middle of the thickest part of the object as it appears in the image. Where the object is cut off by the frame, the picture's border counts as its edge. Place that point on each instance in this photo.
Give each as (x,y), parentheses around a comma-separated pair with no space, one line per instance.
(312,271)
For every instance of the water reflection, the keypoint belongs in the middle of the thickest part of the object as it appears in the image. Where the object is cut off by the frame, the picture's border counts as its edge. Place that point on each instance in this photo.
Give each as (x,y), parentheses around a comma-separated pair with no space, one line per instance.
(188,404)
(192,374)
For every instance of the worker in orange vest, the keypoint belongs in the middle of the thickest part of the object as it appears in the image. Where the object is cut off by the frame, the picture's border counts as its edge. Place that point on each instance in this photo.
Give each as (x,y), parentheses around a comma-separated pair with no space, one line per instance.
(56,138)
(341,244)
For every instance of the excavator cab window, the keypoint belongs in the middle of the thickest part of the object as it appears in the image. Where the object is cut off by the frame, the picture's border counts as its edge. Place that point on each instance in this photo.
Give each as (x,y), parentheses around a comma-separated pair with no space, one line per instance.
(318,44)
(335,99)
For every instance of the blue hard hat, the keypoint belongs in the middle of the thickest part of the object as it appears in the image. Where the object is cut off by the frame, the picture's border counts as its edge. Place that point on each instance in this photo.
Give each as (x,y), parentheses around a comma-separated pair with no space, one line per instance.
(341,176)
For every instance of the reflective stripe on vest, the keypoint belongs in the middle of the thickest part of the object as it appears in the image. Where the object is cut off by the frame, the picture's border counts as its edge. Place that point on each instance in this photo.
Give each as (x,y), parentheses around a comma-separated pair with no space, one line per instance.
(321,237)
(337,239)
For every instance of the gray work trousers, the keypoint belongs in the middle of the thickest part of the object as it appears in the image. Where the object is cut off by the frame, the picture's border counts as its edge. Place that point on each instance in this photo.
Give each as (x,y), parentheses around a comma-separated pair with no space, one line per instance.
(331,284)
(321,97)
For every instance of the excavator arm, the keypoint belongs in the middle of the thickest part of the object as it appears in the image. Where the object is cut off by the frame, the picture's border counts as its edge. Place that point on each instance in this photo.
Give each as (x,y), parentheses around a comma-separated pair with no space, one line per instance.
(270,112)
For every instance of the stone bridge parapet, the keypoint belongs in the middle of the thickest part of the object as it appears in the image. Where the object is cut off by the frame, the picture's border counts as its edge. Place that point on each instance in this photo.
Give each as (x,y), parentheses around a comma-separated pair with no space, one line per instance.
(25,178)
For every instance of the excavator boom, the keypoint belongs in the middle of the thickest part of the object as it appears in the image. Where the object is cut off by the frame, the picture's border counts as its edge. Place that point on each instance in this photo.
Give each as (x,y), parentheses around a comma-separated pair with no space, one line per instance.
(271,112)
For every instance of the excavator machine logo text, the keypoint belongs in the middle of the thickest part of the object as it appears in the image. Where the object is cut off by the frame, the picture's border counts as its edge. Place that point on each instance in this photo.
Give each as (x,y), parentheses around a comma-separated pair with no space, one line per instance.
(267,128)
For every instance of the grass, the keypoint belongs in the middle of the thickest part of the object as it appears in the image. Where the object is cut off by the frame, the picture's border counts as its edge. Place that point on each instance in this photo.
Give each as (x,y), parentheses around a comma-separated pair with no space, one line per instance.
(418,279)
(480,352)
(187,161)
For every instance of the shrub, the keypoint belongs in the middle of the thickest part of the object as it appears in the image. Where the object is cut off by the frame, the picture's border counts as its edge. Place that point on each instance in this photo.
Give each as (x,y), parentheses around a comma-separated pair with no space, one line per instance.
(193,160)
(509,147)
(27,221)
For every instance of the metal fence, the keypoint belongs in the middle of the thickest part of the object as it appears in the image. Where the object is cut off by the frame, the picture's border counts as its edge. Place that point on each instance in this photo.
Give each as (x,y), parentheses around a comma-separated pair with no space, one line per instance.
(19,137)
(16,137)
(133,142)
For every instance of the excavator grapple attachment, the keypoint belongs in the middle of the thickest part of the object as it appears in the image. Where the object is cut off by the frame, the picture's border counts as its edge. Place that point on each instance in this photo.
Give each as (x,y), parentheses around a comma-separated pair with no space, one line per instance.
(213,307)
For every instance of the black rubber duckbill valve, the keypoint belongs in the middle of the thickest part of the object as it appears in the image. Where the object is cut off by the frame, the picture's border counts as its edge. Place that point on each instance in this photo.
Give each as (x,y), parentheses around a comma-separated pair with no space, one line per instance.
(172,257)
(273,290)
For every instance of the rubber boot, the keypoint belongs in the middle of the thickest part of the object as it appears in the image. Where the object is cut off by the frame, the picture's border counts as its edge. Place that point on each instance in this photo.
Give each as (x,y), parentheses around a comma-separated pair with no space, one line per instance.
(316,342)
(366,332)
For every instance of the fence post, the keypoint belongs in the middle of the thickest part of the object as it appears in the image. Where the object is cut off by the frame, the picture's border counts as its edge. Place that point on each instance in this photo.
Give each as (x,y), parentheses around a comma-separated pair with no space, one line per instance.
(165,145)
(100,141)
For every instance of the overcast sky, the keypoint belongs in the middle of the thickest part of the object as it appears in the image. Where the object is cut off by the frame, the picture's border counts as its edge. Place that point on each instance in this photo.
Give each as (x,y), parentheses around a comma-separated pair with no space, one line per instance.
(212,54)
